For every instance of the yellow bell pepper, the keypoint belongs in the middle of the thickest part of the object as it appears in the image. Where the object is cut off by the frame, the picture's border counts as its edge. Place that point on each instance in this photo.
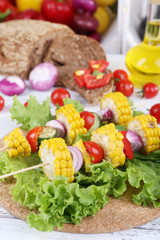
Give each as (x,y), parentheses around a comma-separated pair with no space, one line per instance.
(105,2)
(26,4)
(103,18)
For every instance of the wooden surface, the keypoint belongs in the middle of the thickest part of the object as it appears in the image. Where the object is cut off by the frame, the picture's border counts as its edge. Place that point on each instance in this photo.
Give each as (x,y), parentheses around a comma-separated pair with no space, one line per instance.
(15,229)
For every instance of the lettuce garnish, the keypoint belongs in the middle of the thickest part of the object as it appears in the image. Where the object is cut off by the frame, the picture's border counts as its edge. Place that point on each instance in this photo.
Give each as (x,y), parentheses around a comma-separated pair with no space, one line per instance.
(35,114)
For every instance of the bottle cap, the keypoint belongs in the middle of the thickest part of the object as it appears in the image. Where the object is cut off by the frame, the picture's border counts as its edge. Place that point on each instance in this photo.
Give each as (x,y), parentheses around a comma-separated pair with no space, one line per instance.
(155,2)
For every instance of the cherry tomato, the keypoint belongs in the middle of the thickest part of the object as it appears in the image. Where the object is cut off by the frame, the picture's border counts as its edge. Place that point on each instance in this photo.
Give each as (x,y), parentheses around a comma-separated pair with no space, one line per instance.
(155,111)
(125,86)
(95,151)
(88,119)
(58,95)
(25,104)
(120,74)
(32,137)
(1,103)
(150,90)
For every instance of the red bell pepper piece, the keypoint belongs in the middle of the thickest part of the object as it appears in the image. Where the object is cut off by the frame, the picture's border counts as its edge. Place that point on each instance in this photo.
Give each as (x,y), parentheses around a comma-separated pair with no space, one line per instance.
(100,65)
(96,81)
(78,76)
(127,146)
(30,14)
(58,11)
(8,9)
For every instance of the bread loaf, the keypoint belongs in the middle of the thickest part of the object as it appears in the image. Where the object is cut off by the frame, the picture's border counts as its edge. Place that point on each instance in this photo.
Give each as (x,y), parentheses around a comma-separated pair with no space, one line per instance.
(24,43)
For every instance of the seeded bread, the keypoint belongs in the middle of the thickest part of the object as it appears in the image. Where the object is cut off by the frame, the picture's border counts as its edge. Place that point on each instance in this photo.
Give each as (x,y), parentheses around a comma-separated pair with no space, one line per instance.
(23,44)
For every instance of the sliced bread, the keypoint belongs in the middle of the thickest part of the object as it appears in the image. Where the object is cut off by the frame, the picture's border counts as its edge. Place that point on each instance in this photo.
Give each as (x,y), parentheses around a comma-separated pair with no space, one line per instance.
(23,44)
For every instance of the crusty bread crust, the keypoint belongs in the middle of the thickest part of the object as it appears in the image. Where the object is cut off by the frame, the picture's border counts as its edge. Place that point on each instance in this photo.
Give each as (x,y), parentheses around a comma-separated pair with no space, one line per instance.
(23,44)
(74,50)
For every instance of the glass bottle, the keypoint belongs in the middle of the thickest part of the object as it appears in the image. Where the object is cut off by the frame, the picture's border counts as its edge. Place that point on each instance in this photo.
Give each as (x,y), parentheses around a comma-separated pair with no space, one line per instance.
(143,60)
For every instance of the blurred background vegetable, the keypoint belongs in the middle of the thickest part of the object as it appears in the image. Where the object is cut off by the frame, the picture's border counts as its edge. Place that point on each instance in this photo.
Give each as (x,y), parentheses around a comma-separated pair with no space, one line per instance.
(87,17)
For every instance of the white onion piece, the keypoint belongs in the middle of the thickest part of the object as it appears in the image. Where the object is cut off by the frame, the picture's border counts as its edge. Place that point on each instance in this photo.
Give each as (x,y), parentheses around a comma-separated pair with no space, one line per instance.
(76,157)
(105,114)
(43,76)
(12,85)
(134,140)
(56,124)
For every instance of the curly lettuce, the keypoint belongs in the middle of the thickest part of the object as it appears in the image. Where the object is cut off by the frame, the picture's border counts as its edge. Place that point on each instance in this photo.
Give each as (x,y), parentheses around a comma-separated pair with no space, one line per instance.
(35,114)
(145,176)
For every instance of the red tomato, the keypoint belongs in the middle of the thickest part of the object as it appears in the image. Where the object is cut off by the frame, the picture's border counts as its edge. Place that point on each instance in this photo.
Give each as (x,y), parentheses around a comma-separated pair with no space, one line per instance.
(32,137)
(88,119)
(125,86)
(120,74)
(95,151)
(155,111)
(1,103)
(150,90)
(25,104)
(58,95)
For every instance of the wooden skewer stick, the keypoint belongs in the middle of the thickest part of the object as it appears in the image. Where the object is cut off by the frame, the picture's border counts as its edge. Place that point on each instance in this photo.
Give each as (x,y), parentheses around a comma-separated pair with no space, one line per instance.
(4,149)
(23,170)
(141,104)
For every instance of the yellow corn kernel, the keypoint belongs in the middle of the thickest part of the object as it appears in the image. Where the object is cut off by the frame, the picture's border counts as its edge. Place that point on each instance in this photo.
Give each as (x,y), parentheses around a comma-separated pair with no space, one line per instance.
(17,144)
(73,122)
(111,142)
(145,126)
(120,107)
(56,153)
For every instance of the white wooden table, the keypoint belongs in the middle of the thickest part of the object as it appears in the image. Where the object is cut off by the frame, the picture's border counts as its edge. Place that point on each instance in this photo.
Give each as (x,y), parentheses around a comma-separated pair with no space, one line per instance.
(12,228)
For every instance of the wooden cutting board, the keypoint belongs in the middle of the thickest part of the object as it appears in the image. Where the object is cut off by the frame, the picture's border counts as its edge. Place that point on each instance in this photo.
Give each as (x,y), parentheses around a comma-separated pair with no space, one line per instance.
(118,214)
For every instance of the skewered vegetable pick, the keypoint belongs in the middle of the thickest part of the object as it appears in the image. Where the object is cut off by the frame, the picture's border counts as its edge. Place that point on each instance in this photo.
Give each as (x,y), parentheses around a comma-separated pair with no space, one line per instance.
(73,122)
(55,152)
(111,142)
(17,144)
(145,126)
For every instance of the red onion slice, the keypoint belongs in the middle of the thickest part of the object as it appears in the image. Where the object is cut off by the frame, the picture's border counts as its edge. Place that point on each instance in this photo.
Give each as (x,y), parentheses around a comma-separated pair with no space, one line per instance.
(56,124)
(105,114)
(76,157)
(134,140)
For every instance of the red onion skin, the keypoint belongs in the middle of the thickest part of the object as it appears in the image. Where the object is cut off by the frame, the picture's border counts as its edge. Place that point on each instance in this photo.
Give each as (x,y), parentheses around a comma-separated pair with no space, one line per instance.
(84,5)
(11,89)
(105,114)
(137,143)
(85,23)
(38,72)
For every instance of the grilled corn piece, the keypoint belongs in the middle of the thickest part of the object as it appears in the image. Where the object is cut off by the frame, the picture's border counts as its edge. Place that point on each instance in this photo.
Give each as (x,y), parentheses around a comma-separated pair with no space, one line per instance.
(54,151)
(145,126)
(111,142)
(86,157)
(17,144)
(72,121)
(119,105)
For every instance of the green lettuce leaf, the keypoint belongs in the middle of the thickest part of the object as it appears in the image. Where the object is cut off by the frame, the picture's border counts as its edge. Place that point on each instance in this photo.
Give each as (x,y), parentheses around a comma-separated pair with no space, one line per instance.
(104,173)
(144,175)
(84,137)
(131,103)
(33,115)
(78,106)
(121,127)
(62,202)
(137,113)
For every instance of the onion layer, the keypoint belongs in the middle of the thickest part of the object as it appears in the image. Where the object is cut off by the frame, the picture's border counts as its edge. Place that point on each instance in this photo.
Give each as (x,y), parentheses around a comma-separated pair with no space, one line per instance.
(76,157)
(135,141)
(56,124)
(105,114)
